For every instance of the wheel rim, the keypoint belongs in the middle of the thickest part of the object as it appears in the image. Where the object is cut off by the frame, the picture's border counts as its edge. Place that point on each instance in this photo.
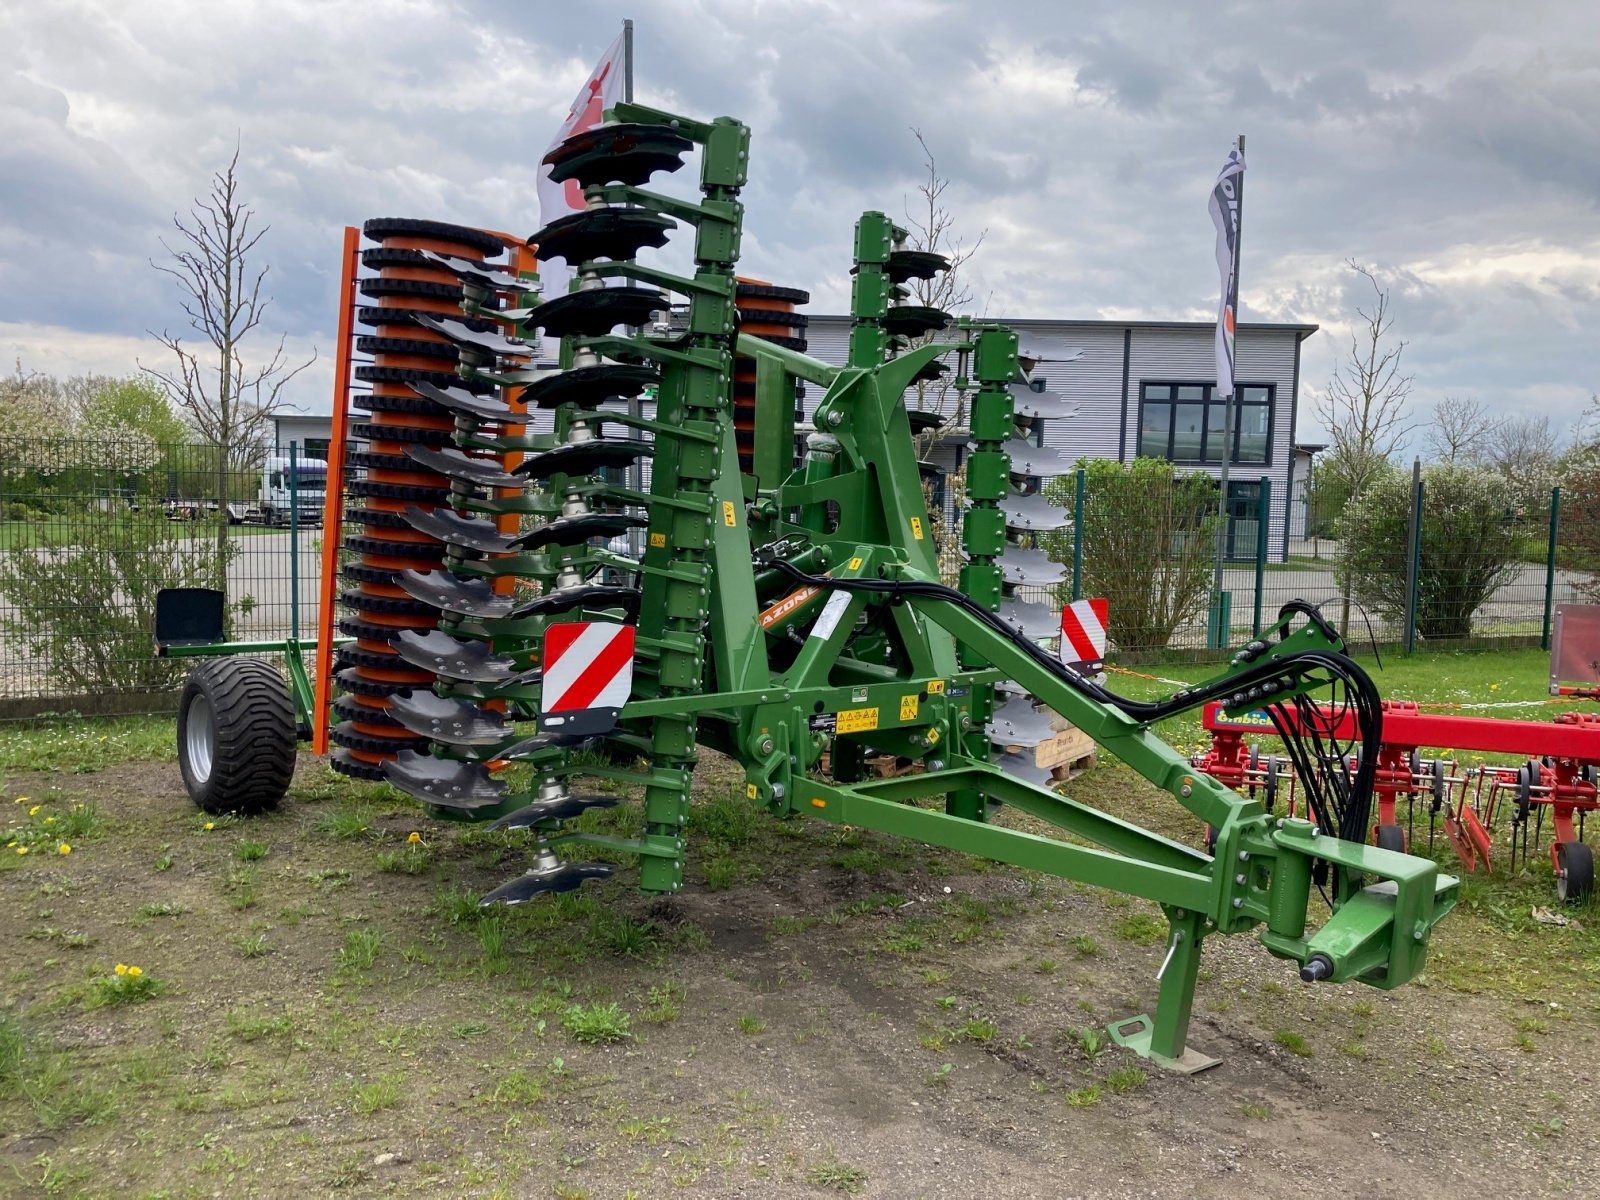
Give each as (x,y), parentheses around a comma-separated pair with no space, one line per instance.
(200,739)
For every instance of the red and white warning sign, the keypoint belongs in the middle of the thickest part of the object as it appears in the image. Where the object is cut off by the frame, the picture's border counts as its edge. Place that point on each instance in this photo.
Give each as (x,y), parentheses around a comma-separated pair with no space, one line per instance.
(1083,635)
(588,676)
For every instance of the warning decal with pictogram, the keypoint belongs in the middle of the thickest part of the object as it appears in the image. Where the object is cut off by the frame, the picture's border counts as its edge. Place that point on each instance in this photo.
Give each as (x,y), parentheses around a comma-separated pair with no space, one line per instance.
(1083,635)
(588,676)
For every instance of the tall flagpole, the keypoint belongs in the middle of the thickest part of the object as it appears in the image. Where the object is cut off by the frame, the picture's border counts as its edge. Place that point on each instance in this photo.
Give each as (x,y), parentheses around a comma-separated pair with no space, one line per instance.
(1227,406)
(627,60)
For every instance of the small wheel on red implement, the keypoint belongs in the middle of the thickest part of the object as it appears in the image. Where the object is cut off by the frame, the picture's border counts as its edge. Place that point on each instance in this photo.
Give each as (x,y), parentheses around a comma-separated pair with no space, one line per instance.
(1270,791)
(1392,837)
(1211,839)
(1574,872)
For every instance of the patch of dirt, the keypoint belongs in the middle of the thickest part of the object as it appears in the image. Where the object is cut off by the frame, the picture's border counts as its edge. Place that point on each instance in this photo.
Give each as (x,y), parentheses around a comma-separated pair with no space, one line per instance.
(853,1013)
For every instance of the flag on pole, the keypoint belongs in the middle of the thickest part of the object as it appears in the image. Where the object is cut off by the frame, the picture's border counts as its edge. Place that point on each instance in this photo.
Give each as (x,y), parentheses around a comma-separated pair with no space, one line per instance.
(599,92)
(1225,216)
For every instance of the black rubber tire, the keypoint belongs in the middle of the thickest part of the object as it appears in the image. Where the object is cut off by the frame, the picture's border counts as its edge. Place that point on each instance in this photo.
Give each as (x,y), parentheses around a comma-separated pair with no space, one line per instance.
(236,736)
(1392,837)
(1574,872)
(378,228)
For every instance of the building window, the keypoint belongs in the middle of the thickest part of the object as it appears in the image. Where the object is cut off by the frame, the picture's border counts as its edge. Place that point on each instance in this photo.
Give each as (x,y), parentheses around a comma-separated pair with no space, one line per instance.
(1183,422)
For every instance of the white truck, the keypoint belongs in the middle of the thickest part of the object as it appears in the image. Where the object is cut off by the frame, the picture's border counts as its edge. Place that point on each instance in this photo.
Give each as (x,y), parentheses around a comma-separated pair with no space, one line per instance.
(276,500)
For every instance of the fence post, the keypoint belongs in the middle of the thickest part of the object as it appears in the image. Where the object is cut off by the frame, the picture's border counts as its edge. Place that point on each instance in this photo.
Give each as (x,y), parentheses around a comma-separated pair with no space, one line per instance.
(1550,567)
(1263,511)
(294,538)
(1413,556)
(1077,537)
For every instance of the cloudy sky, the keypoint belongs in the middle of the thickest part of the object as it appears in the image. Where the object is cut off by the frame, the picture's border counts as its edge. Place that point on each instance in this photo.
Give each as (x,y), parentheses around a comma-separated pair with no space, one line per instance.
(1452,145)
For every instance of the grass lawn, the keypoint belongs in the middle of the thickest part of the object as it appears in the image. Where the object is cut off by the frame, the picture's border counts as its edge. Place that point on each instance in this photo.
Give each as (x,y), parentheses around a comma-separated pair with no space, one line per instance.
(320,1007)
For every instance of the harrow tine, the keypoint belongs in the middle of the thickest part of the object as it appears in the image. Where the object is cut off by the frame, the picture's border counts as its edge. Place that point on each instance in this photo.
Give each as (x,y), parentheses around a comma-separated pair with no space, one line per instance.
(485,472)
(444,783)
(489,341)
(558,808)
(451,593)
(583,458)
(485,408)
(480,274)
(570,531)
(557,877)
(442,654)
(457,722)
(474,533)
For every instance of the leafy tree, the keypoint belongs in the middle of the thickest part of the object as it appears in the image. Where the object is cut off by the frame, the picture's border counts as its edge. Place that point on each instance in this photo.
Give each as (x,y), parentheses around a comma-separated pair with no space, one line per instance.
(1469,547)
(1580,526)
(1148,537)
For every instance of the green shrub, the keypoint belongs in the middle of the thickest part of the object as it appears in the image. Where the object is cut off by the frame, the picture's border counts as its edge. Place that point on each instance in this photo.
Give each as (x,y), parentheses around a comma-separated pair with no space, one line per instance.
(1468,547)
(87,610)
(1149,541)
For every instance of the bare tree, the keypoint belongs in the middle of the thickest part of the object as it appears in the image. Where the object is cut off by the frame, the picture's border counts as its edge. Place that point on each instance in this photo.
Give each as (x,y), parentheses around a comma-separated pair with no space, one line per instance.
(230,404)
(1526,453)
(1463,429)
(932,228)
(1364,407)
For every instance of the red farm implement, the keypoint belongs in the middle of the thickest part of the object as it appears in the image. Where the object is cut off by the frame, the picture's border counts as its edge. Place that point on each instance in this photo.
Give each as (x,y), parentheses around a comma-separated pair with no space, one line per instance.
(1560,773)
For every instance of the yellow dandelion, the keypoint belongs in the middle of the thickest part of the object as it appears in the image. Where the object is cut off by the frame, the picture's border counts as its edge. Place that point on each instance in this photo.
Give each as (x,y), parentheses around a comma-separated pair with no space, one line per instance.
(135,972)
(209,826)
(1494,687)
(49,820)
(64,848)
(122,968)
(22,849)
(20,800)
(34,811)
(415,838)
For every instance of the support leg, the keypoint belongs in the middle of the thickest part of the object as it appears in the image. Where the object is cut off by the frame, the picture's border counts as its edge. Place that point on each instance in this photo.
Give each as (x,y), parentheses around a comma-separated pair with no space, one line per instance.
(1164,1039)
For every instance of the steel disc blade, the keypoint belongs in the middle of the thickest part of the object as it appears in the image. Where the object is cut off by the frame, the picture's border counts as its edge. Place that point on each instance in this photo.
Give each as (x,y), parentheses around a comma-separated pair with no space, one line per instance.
(589,386)
(587,596)
(487,340)
(1020,565)
(557,808)
(914,264)
(583,458)
(1034,513)
(569,531)
(922,421)
(485,408)
(1018,723)
(914,320)
(485,472)
(1032,621)
(624,152)
(598,311)
(451,593)
(444,782)
(1020,765)
(615,233)
(442,654)
(1026,402)
(475,533)
(1040,461)
(481,275)
(561,878)
(444,719)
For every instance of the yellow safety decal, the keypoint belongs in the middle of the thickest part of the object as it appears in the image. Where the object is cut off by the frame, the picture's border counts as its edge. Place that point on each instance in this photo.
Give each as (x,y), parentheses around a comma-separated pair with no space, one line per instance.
(855,564)
(933,736)
(935,687)
(857,720)
(750,791)
(658,541)
(908,708)
(916,528)
(728,517)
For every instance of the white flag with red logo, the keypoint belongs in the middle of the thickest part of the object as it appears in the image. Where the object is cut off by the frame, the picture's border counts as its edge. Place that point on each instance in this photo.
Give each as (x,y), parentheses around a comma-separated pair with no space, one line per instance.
(600,91)
(1224,207)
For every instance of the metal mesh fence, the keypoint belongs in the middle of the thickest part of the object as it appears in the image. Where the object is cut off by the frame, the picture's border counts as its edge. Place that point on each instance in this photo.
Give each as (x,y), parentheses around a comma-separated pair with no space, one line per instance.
(91,530)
